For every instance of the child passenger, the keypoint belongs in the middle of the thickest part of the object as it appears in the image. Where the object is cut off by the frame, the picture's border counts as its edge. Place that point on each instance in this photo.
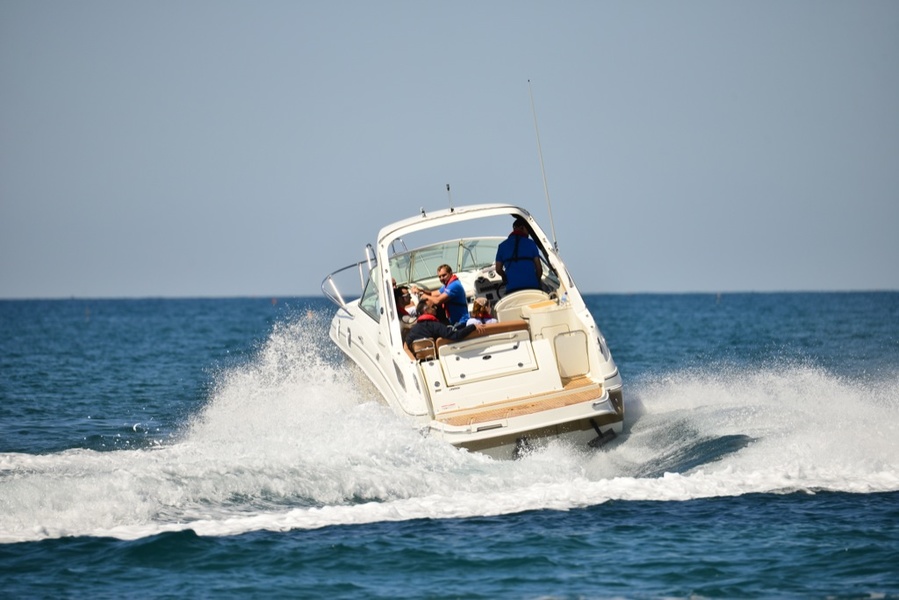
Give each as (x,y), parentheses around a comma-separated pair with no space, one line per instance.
(480,312)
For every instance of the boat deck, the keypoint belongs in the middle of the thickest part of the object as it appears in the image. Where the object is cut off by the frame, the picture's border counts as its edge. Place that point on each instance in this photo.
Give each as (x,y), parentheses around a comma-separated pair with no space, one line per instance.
(575,391)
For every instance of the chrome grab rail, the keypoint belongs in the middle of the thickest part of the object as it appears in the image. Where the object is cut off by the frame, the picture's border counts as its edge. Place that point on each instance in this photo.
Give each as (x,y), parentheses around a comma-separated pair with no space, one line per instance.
(393,250)
(329,285)
(369,256)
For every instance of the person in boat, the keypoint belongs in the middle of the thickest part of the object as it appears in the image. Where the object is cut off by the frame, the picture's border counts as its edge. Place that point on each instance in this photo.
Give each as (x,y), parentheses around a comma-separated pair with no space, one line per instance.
(415,294)
(518,260)
(428,326)
(480,312)
(451,297)
(401,299)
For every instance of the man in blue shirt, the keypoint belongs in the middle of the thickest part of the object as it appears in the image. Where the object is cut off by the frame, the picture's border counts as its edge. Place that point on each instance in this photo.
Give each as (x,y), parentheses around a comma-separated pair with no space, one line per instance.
(518,260)
(451,296)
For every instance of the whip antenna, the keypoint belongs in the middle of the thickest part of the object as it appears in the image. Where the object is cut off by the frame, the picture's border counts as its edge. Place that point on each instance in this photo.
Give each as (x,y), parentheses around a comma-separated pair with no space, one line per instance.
(450,196)
(549,205)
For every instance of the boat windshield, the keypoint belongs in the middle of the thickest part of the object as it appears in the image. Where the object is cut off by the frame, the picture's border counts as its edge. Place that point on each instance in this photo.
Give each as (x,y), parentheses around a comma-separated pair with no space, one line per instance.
(463,255)
(370,302)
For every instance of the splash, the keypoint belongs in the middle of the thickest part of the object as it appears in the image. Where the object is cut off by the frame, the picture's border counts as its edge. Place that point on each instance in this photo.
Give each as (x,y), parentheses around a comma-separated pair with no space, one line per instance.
(797,423)
(293,439)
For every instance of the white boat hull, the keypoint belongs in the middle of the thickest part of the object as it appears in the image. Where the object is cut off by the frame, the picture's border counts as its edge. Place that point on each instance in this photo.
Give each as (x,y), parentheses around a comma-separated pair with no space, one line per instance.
(543,372)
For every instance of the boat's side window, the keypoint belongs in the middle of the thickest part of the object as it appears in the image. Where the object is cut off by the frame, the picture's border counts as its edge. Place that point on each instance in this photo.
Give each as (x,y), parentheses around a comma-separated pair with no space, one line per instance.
(370,303)
(550,278)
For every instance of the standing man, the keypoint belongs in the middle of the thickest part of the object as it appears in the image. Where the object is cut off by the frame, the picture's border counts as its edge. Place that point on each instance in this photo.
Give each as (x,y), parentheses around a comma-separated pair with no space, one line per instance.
(451,296)
(518,260)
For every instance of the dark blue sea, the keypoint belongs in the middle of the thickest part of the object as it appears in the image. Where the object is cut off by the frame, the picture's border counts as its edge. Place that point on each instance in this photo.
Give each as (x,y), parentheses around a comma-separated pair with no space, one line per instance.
(168,448)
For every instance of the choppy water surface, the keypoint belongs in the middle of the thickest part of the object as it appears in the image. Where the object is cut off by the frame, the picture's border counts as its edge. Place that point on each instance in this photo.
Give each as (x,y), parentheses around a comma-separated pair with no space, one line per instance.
(173,447)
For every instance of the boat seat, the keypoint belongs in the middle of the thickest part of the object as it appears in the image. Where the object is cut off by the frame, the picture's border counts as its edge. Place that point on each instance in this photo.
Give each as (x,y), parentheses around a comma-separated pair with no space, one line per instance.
(509,308)
(406,324)
(489,329)
(424,349)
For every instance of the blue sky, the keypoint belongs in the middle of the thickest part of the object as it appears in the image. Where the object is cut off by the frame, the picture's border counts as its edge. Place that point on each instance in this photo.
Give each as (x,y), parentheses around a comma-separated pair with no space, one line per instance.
(249,148)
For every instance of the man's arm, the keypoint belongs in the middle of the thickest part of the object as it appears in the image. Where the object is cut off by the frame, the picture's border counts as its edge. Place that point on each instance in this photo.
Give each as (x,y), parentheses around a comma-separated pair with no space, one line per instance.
(436,298)
(464,332)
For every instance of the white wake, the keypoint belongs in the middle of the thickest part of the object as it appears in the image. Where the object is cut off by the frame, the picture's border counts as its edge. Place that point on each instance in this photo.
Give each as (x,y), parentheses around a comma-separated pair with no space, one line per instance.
(294,440)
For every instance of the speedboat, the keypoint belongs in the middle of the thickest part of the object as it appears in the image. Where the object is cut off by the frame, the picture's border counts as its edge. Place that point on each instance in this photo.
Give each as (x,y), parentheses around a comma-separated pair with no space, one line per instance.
(542,371)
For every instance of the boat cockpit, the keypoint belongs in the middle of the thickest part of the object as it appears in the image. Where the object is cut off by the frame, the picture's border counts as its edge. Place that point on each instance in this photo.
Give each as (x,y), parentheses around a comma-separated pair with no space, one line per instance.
(472,260)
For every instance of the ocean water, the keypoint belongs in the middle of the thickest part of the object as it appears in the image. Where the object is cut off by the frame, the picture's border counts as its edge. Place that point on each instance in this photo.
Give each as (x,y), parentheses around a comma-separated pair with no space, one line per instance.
(223,448)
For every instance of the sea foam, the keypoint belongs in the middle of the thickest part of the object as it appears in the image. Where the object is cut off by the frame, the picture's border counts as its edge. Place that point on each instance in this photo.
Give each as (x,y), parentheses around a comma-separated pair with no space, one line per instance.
(296,439)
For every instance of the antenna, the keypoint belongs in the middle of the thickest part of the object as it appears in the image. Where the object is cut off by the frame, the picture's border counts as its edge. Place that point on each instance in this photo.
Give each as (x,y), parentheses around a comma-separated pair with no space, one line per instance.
(549,205)
(450,195)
